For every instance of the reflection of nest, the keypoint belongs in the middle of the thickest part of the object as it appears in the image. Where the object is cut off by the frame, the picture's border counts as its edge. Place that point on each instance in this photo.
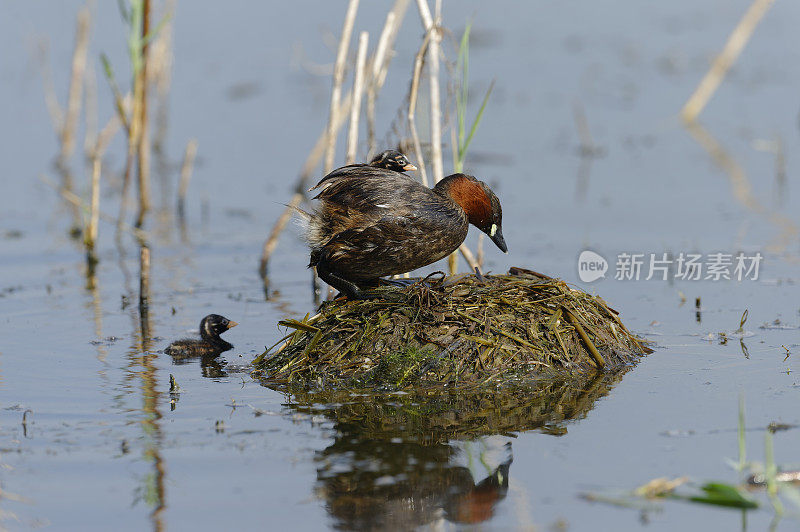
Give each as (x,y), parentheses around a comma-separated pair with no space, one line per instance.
(435,417)
(459,330)
(393,463)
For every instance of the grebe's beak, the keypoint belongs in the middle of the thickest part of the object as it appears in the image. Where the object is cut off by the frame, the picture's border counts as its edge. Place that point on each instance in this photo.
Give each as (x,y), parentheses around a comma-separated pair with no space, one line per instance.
(496,234)
(409,167)
(232,324)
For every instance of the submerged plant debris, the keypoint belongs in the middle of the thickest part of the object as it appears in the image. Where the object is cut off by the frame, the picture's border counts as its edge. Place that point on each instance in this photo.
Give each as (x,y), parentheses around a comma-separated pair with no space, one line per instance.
(459,330)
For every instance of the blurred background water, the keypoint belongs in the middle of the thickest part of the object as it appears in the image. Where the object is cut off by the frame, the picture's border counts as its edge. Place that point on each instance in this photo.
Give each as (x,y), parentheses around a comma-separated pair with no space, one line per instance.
(105,442)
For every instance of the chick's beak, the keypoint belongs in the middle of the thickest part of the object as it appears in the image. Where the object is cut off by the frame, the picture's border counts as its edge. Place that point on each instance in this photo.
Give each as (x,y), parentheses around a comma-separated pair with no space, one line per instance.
(232,324)
(498,239)
(409,167)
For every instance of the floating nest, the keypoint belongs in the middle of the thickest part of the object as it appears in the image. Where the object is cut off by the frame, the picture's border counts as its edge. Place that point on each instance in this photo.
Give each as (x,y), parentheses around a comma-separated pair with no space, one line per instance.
(458,331)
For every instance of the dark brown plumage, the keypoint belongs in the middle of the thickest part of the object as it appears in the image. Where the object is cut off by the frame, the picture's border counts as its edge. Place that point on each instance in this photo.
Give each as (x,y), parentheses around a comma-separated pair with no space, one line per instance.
(209,343)
(388,160)
(374,222)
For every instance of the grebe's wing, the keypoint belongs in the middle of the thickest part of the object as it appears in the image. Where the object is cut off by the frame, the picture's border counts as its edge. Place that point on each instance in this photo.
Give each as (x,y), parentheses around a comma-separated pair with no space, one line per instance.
(335,175)
(348,176)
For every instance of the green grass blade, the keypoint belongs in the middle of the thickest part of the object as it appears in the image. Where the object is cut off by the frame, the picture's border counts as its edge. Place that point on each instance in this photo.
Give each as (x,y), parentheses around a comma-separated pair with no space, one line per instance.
(770,472)
(123,11)
(463,150)
(721,494)
(112,82)
(155,31)
(462,95)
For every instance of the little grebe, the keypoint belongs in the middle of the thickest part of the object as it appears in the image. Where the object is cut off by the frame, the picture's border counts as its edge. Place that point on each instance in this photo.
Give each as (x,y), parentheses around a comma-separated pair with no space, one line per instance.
(209,344)
(388,160)
(374,222)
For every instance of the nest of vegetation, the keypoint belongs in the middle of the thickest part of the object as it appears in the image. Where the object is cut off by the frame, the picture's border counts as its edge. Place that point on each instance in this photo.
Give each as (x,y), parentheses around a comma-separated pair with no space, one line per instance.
(455,331)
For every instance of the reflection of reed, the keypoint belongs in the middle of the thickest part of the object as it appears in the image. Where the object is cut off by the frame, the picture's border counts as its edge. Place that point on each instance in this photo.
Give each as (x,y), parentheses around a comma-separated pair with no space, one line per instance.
(742,189)
(97,313)
(154,493)
(67,189)
(70,121)
(183,187)
(737,40)
(414,445)
(65,121)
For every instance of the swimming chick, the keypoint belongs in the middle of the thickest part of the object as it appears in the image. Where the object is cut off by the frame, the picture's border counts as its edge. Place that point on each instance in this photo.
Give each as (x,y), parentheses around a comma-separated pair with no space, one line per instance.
(209,344)
(388,160)
(374,222)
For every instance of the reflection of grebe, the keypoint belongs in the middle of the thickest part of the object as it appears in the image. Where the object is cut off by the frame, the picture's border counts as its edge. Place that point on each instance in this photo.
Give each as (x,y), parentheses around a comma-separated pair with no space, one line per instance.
(410,484)
(427,459)
(476,503)
(209,344)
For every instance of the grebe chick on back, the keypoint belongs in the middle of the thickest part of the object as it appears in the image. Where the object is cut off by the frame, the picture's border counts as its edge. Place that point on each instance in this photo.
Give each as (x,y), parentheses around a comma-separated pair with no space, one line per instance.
(209,343)
(374,222)
(388,160)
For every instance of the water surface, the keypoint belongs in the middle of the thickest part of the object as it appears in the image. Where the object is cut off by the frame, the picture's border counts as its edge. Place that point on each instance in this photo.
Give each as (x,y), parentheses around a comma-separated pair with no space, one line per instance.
(104,440)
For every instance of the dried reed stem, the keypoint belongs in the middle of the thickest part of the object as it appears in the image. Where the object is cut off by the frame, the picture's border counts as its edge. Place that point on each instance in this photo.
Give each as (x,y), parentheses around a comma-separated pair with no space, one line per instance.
(358,91)
(76,84)
(272,241)
(394,19)
(90,106)
(186,176)
(479,254)
(312,161)
(469,257)
(160,73)
(412,107)
(91,234)
(436,112)
(433,28)
(126,176)
(96,155)
(132,125)
(380,66)
(77,201)
(105,136)
(733,47)
(587,146)
(372,89)
(144,293)
(143,143)
(50,97)
(338,79)
(596,356)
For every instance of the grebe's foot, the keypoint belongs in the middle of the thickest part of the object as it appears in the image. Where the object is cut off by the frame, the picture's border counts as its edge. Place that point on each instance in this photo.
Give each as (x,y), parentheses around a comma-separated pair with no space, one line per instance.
(348,288)
(402,282)
(429,281)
